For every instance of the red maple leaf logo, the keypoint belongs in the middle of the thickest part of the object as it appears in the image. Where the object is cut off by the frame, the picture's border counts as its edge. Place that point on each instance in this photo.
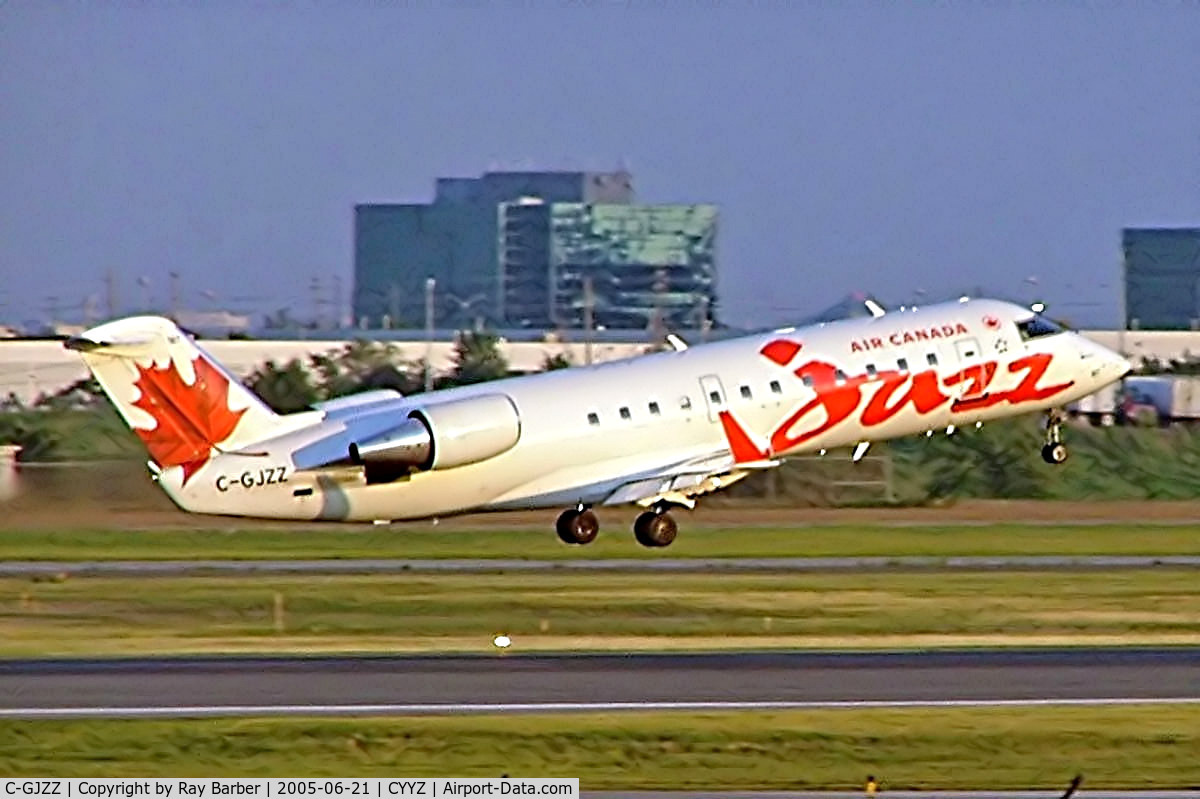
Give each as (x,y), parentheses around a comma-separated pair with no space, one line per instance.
(191,419)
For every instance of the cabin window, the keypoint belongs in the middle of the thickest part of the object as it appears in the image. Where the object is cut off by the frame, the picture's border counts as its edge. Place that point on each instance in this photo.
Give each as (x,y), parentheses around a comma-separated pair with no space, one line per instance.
(624,413)
(593,418)
(714,397)
(871,370)
(931,359)
(776,388)
(685,403)
(807,380)
(903,364)
(746,393)
(654,410)
(839,377)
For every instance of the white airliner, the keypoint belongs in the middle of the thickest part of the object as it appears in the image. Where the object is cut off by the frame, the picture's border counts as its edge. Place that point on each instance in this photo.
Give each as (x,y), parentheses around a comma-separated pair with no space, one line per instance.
(657,430)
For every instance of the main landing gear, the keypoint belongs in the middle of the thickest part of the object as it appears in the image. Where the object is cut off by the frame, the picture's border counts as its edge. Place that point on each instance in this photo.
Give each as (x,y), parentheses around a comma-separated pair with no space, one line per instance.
(577,526)
(654,528)
(1054,451)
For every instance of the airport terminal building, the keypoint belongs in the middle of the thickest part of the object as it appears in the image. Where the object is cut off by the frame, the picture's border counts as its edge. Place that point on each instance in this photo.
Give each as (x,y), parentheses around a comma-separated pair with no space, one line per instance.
(536,250)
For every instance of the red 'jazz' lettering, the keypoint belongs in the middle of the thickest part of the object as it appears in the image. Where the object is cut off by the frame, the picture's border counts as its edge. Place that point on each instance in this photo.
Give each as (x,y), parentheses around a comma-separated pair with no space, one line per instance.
(1027,389)
(924,394)
(980,376)
(839,396)
(781,351)
(837,400)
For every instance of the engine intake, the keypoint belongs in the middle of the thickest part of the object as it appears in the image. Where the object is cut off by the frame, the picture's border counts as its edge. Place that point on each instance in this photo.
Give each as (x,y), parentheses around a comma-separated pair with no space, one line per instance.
(442,436)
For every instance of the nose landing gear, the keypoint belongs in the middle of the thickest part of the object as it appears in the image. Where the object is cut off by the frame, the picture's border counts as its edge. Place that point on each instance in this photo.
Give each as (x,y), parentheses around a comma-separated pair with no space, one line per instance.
(1054,451)
(655,528)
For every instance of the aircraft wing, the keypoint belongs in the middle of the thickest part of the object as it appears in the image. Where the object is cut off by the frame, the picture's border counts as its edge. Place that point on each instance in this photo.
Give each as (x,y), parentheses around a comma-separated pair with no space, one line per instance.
(682,482)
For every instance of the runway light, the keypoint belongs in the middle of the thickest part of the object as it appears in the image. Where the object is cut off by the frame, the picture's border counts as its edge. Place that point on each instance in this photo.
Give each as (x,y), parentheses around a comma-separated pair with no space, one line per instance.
(502,641)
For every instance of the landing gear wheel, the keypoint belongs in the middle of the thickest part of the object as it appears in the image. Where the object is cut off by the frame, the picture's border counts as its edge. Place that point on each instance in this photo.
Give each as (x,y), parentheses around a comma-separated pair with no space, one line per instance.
(655,529)
(1055,453)
(576,526)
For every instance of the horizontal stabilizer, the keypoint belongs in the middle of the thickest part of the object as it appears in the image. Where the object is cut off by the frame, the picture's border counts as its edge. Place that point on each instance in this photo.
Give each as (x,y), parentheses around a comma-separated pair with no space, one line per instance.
(137,348)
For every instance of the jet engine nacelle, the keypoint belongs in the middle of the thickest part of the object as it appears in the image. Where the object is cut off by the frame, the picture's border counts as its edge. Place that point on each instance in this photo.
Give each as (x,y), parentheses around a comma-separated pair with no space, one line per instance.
(444,435)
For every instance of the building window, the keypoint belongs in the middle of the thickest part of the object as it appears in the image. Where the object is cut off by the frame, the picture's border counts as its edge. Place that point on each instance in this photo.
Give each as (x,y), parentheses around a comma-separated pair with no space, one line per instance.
(746,393)
(776,388)
(654,411)
(593,418)
(931,359)
(624,413)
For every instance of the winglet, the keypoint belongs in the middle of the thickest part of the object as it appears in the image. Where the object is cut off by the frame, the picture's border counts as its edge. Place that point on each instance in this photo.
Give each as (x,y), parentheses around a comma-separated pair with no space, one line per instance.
(875,308)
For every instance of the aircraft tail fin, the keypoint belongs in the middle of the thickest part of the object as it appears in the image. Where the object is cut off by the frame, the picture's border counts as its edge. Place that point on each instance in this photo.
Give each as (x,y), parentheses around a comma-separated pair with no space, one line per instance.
(177,399)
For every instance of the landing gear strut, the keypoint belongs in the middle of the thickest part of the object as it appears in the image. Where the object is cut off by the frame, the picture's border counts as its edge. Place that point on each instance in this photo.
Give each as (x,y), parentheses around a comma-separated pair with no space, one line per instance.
(577,526)
(1054,451)
(655,528)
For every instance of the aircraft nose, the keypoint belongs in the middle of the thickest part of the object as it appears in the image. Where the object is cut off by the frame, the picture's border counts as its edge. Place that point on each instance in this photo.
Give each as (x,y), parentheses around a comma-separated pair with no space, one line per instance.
(1105,363)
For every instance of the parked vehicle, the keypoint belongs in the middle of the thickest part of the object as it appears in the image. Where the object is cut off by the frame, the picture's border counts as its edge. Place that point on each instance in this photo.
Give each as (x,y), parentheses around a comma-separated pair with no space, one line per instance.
(1102,409)
(1174,398)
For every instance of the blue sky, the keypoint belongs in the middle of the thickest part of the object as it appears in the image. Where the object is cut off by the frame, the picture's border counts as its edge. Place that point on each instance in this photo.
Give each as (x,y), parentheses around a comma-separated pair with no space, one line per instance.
(903,149)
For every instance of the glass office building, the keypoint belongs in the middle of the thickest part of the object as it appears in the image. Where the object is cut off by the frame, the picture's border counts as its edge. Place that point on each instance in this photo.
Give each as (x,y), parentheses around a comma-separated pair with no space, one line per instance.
(628,266)
(536,250)
(1162,278)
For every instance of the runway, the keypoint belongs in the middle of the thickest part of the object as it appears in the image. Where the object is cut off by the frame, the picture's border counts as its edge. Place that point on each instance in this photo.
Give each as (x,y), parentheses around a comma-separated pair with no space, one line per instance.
(169,568)
(381,685)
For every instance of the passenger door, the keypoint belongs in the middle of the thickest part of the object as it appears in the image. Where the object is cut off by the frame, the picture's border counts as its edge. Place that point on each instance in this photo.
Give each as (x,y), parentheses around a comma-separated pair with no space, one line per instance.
(714,395)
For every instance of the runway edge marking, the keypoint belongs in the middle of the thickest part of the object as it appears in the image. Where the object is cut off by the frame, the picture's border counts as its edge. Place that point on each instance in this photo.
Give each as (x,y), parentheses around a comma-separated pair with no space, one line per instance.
(553,707)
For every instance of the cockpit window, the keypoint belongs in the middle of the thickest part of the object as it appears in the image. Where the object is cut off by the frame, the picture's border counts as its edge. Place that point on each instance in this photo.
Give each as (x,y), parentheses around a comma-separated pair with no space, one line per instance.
(1036,327)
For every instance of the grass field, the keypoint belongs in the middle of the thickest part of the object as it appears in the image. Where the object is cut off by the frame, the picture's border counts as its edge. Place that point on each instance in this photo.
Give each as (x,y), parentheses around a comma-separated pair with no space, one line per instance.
(447,541)
(595,611)
(961,748)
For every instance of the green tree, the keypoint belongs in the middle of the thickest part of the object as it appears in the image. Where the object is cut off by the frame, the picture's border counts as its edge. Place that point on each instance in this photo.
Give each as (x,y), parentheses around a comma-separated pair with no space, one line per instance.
(285,389)
(363,365)
(85,393)
(477,359)
(557,361)
(32,431)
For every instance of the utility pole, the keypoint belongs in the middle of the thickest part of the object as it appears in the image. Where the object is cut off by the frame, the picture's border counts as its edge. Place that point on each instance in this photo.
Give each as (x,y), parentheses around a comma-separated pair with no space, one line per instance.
(336,301)
(430,284)
(174,295)
(589,302)
(393,314)
(110,294)
(314,288)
